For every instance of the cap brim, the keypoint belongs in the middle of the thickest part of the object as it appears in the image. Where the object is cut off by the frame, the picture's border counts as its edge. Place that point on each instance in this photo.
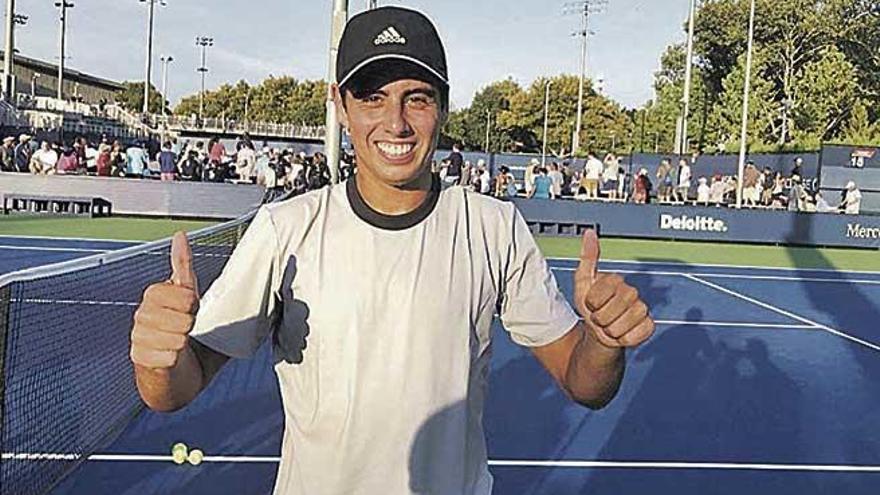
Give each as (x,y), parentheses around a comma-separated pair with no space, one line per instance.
(390,57)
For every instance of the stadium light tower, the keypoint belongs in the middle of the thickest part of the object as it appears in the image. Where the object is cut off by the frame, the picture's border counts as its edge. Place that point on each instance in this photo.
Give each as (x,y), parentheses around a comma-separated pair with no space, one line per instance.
(745,115)
(149,69)
(165,61)
(204,42)
(546,120)
(583,8)
(332,131)
(62,5)
(9,53)
(688,73)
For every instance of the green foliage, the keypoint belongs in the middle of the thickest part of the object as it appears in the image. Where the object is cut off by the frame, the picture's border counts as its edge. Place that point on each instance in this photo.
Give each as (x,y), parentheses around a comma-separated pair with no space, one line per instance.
(132,98)
(517,118)
(277,99)
(816,61)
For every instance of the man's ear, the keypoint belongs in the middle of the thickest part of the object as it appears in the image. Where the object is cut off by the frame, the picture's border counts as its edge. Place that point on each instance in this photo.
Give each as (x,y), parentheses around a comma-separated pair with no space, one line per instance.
(341,114)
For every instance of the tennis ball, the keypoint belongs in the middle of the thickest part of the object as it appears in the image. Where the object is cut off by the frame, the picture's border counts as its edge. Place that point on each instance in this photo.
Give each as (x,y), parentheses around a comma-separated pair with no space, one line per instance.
(195,457)
(178,453)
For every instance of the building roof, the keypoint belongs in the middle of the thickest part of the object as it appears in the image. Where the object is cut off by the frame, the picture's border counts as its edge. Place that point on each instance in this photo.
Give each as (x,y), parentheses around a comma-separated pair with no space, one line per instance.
(71,74)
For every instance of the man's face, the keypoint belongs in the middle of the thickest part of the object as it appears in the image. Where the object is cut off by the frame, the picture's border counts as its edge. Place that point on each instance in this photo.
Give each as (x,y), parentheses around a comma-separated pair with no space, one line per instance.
(394,129)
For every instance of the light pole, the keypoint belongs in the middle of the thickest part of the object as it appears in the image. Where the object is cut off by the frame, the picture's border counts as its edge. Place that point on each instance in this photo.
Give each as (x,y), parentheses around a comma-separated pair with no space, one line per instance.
(62,5)
(204,42)
(149,69)
(9,53)
(333,133)
(686,100)
(745,115)
(584,8)
(546,115)
(488,125)
(247,106)
(165,61)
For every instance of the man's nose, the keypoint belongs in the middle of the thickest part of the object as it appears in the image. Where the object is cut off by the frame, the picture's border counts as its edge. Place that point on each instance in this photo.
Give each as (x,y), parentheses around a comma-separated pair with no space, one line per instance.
(396,120)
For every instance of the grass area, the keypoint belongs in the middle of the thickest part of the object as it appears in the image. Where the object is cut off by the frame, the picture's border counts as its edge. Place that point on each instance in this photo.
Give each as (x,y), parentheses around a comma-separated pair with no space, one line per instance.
(145,229)
(718,253)
(116,228)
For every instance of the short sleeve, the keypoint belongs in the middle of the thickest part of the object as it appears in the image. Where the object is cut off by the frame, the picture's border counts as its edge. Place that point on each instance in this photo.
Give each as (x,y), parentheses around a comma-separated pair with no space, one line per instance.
(235,314)
(533,309)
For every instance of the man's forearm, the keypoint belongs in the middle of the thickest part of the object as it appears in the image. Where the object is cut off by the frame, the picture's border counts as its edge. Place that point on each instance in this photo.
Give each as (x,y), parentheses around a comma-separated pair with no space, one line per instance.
(595,371)
(170,389)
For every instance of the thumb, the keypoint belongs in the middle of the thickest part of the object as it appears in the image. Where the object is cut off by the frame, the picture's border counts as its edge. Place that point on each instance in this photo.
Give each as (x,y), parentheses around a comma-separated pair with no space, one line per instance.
(182,272)
(590,254)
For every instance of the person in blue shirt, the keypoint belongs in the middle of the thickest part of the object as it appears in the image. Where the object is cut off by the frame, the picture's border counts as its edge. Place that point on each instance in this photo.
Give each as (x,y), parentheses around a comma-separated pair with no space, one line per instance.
(543,185)
(136,161)
(167,162)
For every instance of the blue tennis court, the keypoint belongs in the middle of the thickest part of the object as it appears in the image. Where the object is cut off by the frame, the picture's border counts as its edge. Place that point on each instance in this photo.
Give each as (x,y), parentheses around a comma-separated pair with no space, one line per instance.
(761,381)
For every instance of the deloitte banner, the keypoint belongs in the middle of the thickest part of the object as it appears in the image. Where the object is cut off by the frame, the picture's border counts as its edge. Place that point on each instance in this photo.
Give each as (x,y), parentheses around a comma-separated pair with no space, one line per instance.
(703,223)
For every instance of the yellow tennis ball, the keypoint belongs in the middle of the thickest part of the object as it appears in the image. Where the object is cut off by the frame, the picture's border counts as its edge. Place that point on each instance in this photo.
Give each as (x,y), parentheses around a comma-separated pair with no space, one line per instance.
(195,457)
(179,457)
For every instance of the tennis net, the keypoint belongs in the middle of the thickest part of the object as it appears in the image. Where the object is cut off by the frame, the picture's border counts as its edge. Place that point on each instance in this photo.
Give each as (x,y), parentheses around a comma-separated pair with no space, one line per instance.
(66,383)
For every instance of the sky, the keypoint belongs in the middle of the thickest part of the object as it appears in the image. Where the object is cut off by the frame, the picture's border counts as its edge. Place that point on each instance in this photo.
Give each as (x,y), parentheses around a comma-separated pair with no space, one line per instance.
(486,40)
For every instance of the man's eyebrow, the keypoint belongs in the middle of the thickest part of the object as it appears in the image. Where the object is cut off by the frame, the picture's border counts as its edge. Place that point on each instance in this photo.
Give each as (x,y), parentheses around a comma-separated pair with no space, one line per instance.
(430,92)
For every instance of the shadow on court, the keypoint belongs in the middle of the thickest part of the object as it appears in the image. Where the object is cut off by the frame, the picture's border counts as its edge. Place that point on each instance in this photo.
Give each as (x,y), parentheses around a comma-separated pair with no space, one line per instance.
(704,399)
(849,309)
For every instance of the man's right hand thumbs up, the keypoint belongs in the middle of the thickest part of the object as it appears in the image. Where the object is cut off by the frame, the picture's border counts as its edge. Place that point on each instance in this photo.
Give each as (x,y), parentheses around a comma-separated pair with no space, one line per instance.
(167,312)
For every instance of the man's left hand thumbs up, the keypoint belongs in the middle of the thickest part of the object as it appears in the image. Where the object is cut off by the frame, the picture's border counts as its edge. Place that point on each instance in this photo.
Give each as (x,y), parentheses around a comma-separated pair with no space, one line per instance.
(610,307)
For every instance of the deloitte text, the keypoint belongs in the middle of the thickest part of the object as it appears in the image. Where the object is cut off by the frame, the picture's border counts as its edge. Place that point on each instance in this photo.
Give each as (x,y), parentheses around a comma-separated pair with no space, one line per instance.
(857,231)
(693,224)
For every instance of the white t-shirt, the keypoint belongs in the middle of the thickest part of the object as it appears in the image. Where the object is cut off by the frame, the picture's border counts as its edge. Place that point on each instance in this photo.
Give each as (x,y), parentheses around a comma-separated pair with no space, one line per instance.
(684,176)
(853,202)
(593,169)
(386,396)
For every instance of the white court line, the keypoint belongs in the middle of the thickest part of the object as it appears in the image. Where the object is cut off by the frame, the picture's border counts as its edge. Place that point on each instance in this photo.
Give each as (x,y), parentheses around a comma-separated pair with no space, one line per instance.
(492,462)
(719,265)
(62,239)
(736,324)
(736,276)
(55,249)
(783,312)
(73,302)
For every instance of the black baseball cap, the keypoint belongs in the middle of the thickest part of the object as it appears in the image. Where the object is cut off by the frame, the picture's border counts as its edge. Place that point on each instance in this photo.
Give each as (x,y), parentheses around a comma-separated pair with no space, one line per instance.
(391,39)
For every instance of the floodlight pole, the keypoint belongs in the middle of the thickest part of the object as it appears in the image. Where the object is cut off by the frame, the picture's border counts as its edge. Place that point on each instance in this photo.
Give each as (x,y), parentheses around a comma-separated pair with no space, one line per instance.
(333,132)
(149,63)
(488,124)
(546,120)
(165,61)
(576,139)
(204,42)
(745,114)
(683,144)
(62,5)
(9,52)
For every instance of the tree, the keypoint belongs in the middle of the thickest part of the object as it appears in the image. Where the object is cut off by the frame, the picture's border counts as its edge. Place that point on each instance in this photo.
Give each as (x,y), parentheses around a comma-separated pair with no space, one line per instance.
(131,98)
(276,99)
(728,113)
(468,126)
(827,91)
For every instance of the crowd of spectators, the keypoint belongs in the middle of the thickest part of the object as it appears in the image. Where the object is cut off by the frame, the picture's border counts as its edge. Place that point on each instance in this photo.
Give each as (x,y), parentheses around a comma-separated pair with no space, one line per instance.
(286,171)
(278,170)
(607,179)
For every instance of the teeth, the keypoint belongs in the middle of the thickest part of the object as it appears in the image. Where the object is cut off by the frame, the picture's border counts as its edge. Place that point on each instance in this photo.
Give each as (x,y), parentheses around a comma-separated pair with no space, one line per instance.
(395,149)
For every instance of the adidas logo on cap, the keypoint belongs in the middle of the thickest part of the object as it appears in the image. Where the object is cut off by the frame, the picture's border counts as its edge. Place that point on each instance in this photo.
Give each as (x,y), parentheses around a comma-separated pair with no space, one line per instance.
(389,35)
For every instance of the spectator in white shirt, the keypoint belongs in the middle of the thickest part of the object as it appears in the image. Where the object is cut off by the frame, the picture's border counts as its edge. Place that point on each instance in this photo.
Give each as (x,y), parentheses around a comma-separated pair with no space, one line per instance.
(852,203)
(592,173)
(43,160)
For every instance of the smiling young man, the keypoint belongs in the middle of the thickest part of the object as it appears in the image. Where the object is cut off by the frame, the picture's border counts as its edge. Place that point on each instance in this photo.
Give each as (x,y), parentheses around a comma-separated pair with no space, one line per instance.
(378,296)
